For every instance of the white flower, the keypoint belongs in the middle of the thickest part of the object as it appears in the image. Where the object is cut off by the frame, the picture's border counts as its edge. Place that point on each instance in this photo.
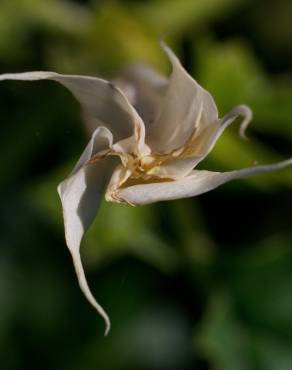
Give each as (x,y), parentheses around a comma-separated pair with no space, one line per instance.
(142,152)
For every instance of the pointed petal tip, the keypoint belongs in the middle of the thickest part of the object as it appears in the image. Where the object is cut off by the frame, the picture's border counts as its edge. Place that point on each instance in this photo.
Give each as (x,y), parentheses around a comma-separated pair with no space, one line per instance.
(288,162)
(257,170)
(86,290)
(162,43)
(107,328)
(28,76)
(59,187)
(168,51)
(285,163)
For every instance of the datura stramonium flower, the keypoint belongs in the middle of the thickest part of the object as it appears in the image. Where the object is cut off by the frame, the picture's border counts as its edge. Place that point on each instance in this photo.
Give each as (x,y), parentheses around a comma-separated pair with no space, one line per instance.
(148,135)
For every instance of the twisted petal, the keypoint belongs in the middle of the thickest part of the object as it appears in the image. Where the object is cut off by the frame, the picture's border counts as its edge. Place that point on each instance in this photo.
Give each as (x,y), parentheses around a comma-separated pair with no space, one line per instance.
(103,104)
(80,195)
(208,142)
(198,182)
(199,147)
(185,101)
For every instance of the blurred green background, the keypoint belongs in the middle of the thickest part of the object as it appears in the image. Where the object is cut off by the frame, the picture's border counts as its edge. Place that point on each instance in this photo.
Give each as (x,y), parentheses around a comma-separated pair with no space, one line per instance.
(196,284)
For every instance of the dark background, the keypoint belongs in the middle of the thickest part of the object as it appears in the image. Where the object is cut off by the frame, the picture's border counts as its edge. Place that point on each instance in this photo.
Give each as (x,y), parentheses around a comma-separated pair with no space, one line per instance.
(203,283)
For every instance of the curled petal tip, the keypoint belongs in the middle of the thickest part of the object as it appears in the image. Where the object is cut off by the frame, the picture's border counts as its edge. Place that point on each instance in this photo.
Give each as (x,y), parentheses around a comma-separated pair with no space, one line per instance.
(246,112)
(240,110)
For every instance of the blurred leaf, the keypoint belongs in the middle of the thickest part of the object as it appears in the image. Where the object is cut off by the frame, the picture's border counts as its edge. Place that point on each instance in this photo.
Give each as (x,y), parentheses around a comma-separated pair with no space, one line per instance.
(171,17)
(32,132)
(192,232)
(256,323)
(233,76)
(19,17)
(222,339)
(262,283)
(271,352)
(107,47)
(43,195)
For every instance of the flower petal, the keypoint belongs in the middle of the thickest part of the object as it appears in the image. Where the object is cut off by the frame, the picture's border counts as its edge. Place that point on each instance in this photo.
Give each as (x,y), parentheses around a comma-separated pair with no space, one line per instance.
(174,168)
(102,102)
(80,195)
(199,147)
(184,102)
(144,88)
(208,142)
(101,139)
(198,182)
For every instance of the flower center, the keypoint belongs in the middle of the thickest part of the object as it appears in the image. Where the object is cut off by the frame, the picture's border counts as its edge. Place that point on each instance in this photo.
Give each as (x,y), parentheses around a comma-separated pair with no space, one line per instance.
(141,166)
(133,171)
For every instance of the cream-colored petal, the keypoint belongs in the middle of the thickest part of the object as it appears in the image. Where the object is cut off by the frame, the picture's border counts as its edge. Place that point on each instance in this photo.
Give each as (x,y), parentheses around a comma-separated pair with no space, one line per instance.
(144,88)
(208,141)
(103,103)
(198,182)
(80,195)
(101,140)
(174,168)
(198,148)
(185,100)
(118,178)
